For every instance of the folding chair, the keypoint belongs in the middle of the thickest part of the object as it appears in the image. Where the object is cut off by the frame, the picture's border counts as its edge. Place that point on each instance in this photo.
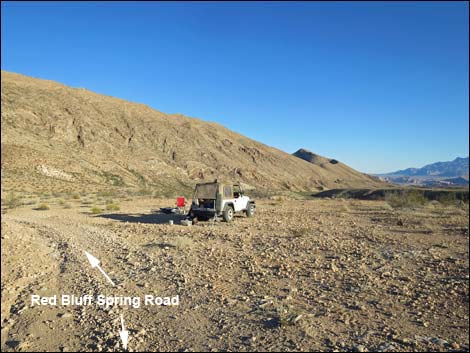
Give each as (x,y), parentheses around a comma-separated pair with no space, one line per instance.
(181,204)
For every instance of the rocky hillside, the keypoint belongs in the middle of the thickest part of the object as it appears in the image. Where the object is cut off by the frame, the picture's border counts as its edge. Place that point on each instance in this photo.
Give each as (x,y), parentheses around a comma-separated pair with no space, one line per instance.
(59,138)
(333,166)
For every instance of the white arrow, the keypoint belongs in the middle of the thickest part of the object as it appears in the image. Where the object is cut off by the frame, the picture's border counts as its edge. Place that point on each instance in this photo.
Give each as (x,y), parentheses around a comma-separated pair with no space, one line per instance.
(124,334)
(94,262)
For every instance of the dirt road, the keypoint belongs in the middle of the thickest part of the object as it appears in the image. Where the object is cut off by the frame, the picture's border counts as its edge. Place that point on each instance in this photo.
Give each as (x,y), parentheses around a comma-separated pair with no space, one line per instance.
(301,275)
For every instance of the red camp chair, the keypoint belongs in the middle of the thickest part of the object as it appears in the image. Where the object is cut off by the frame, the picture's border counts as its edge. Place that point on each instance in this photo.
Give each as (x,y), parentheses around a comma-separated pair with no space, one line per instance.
(181,204)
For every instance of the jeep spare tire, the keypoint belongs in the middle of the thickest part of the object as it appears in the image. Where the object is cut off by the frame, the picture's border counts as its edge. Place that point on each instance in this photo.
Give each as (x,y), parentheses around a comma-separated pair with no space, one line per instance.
(228,214)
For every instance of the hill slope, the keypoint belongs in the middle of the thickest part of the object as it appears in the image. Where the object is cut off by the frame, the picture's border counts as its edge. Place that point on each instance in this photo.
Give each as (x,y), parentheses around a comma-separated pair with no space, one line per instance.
(59,138)
(334,167)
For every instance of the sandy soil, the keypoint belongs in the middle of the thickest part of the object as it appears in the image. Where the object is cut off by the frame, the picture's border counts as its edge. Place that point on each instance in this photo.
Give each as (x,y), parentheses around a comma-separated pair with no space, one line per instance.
(301,275)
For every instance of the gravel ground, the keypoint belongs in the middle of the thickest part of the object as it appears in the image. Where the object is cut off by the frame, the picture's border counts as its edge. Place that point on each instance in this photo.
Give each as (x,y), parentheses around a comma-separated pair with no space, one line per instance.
(301,275)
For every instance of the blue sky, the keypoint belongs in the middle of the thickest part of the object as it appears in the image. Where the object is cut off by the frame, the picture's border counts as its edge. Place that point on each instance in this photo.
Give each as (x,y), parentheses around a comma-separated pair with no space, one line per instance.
(380,86)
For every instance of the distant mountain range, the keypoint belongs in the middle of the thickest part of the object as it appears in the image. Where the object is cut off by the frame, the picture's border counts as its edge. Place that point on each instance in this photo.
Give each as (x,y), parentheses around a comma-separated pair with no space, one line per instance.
(451,173)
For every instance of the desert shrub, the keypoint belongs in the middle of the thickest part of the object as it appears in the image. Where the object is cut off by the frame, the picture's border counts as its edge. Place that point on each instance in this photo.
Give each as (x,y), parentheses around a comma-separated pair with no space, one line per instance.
(415,198)
(289,318)
(12,201)
(395,199)
(278,198)
(144,192)
(286,315)
(344,207)
(464,206)
(405,199)
(300,232)
(29,202)
(112,207)
(64,204)
(87,202)
(113,179)
(42,207)
(76,196)
(182,242)
(107,193)
(260,194)
(448,199)
(96,210)
(169,194)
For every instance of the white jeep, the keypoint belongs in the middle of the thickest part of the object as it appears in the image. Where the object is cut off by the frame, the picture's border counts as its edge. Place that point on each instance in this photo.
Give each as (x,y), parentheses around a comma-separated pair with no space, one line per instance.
(215,199)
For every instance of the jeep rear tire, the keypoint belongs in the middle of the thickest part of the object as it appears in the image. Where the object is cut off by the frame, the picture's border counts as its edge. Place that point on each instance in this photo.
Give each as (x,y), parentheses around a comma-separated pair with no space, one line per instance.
(228,214)
(250,210)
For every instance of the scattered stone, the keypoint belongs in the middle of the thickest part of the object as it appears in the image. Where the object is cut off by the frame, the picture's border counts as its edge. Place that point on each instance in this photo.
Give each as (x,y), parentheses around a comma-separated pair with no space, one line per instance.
(297,318)
(455,345)
(439,341)
(245,281)
(64,315)
(359,348)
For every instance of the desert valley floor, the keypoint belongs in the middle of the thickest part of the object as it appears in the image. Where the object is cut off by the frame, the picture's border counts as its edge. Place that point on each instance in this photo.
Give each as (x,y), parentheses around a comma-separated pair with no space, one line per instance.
(301,275)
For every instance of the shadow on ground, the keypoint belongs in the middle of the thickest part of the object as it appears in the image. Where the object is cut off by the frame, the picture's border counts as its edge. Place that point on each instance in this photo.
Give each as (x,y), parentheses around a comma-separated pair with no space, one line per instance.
(152,218)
